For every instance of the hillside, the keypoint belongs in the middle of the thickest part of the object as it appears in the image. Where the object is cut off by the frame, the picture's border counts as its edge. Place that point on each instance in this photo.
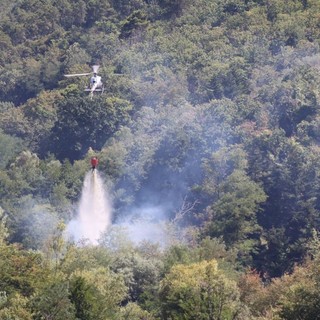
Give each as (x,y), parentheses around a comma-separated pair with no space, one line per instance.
(208,126)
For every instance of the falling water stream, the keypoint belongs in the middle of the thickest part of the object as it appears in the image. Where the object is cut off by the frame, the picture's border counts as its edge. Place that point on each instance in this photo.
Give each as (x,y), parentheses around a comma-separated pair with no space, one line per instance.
(94,213)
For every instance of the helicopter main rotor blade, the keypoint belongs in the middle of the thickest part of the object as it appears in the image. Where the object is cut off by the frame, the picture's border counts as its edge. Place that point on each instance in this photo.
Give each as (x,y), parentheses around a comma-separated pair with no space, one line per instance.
(77,75)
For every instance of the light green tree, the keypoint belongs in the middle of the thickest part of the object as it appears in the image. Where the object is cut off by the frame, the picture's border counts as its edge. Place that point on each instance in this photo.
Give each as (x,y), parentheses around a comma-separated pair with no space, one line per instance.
(16,307)
(97,293)
(199,291)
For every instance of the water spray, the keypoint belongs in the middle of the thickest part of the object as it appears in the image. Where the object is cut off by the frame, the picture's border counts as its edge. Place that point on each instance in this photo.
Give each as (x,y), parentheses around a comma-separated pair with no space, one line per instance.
(94,212)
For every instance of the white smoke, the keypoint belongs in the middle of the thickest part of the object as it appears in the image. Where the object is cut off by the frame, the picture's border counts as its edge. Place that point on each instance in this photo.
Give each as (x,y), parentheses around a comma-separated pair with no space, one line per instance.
(143,230)
(94,213)
(145,224)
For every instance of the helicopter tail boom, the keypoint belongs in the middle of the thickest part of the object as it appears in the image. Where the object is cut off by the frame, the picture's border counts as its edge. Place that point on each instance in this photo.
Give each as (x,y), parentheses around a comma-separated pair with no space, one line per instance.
(76,75)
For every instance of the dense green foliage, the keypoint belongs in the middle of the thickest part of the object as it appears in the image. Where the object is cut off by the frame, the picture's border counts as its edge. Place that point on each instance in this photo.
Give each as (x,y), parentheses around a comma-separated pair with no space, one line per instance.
(210,113)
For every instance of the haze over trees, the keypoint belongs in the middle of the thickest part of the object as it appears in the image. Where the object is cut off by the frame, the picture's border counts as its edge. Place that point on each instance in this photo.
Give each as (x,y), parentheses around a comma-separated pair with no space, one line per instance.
(209,127)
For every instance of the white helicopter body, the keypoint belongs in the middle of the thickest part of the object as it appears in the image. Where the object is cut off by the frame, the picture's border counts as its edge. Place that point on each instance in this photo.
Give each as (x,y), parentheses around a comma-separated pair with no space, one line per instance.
(96,84)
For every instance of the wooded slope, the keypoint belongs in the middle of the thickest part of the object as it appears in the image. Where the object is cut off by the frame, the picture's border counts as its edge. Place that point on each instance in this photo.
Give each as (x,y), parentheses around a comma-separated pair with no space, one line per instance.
(210,114)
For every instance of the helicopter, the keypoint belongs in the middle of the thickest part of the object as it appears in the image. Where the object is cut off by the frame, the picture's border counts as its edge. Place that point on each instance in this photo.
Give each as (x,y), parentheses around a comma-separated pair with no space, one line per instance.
(96,84)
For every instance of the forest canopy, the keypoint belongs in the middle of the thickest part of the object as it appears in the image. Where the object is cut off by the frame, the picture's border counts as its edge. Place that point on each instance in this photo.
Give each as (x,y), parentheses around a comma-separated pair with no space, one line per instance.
(209,125)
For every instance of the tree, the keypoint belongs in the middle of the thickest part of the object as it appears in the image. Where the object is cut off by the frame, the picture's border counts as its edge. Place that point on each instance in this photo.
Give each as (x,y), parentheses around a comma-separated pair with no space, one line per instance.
(136,21)
(132,311)
(288,172)
(82,297)
(97,293)
(235,212)
(300,299)
(300,302)
(16,307)
(10,146)
(82,124)
(233,199)
(53,303)
(21,271)
(199,291)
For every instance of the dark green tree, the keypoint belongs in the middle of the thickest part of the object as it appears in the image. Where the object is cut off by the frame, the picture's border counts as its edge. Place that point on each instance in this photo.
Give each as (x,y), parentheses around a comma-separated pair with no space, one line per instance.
(84,123)
(82,297)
